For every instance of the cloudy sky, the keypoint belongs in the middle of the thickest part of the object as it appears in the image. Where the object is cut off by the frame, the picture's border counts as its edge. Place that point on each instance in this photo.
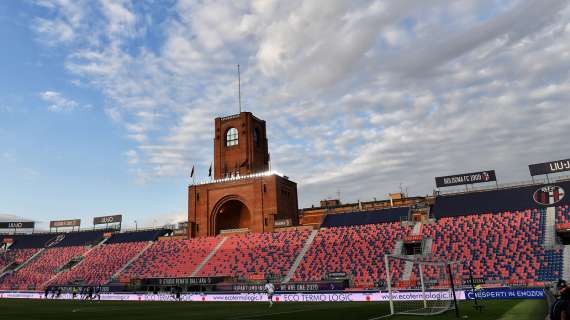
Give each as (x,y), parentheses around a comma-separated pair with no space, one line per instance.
(106,105)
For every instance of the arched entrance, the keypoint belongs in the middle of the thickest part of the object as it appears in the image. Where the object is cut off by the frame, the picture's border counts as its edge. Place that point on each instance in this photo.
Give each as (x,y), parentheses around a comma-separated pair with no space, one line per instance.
(233,214)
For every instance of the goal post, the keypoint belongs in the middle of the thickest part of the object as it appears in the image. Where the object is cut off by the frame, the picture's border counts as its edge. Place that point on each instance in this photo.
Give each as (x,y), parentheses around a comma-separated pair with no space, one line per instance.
(421,286)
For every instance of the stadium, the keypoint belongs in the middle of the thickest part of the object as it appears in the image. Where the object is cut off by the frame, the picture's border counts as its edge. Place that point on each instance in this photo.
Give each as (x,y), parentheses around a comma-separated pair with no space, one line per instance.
(300,159)
(456,252)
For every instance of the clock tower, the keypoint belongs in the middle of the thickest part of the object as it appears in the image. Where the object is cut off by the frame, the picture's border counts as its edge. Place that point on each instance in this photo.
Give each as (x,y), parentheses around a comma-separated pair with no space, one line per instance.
(243,196)
(240,146)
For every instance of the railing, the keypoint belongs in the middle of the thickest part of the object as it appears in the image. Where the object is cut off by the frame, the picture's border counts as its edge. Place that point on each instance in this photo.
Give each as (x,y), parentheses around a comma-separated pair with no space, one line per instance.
(233,116)
(238,178)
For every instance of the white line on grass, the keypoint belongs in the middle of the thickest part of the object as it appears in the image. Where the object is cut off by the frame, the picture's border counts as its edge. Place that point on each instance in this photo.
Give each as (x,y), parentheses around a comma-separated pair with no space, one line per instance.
(264,314)
(380,317)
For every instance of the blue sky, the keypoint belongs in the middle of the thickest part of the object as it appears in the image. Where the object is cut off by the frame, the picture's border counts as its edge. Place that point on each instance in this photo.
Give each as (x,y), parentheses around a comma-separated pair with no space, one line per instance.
(106,105)
(64,164)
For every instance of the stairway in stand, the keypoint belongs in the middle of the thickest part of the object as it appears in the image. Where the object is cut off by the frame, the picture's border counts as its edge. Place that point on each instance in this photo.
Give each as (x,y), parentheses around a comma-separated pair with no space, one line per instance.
(300,256)
(208,257)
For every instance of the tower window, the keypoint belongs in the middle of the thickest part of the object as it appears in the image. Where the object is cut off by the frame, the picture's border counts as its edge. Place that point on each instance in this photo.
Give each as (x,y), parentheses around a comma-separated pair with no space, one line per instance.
(232,137)
(256,137)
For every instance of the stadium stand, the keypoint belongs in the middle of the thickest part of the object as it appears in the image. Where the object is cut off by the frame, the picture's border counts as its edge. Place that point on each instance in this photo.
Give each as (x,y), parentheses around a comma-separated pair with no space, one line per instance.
(563,214)
(500,233)
(15,256)
(357,250)
(170,258)
(41,269)
(246,255)
(501,246)
(100,263)
(366,217)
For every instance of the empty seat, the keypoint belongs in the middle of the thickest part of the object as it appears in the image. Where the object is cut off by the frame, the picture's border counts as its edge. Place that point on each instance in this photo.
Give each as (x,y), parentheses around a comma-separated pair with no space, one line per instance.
(41,269)
(170,258)
(249,254)
(101,263)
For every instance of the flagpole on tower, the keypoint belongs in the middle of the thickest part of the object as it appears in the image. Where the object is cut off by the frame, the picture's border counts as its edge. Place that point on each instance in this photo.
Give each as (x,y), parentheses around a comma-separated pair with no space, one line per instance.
(210,172)
(239,89)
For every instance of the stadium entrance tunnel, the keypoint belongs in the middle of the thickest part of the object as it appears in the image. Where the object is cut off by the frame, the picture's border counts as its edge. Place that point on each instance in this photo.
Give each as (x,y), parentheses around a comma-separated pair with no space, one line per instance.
(232,215)
(564,236)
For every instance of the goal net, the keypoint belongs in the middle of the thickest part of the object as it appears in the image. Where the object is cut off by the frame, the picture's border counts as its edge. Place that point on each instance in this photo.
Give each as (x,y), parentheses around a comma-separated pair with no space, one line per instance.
(420,286)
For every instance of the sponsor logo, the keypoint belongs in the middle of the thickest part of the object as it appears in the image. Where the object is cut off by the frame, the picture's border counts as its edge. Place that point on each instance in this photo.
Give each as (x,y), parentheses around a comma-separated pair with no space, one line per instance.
(549,167)
(563,165)
(17,225)
(65,223)
(467,178)
(298,297)
(108,219)
(282,223)
(494,294)
(53,241)
(548,195)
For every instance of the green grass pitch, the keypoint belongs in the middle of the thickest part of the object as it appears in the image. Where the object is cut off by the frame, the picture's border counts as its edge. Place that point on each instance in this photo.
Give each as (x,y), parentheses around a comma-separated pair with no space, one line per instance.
(78,310)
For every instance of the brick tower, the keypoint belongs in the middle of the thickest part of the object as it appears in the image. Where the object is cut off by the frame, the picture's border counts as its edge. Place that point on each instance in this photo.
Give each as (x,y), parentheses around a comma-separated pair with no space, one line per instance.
(240,146)
(243,195)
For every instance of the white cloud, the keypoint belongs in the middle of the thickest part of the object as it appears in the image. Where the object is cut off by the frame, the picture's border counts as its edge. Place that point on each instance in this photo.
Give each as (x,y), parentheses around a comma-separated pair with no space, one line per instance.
(114,114)
(120,18)
(57,31)
(58,102)
(358,95)
(61,28)
(132,157)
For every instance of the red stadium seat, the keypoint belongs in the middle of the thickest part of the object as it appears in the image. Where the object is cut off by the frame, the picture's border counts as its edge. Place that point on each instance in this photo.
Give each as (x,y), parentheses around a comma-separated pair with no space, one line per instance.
(357,250)
(101,263)
(41,269)
(170,258)
(15,255)
(245,255)
(504,247)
